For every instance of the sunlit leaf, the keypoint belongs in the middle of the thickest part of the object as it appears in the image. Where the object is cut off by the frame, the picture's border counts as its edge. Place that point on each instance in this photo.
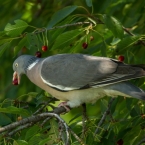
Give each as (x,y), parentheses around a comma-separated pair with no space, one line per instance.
(16,29)
(60,15)
(114,25)
(20,142)
(44,141)
(15,110)
(66,37)
(126,42)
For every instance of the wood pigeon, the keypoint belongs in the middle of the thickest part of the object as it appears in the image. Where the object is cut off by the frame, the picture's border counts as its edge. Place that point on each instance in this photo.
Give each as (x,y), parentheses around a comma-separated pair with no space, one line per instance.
(78,78)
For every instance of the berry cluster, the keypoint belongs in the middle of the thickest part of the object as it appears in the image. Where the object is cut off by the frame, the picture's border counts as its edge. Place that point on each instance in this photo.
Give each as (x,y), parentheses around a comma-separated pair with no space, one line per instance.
(85,44)
(38,53)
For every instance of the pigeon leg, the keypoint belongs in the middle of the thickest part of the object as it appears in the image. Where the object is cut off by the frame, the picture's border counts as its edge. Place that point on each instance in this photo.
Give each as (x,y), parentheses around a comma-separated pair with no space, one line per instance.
(64,104)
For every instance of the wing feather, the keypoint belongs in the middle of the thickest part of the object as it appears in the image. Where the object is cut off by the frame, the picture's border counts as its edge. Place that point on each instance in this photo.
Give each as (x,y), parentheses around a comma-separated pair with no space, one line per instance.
(74,71)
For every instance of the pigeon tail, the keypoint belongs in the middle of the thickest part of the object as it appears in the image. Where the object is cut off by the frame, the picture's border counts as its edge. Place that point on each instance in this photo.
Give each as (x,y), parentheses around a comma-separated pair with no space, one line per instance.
(128,89)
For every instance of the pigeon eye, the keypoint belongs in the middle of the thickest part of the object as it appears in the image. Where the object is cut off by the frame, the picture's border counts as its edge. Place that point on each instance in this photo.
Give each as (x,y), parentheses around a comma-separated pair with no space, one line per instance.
(16,64)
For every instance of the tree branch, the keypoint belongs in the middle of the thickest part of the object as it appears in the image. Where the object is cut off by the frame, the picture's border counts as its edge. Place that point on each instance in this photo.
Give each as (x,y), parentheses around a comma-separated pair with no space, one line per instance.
(57,27)
(30,119)
(104,116)
(130,33)
(142,141)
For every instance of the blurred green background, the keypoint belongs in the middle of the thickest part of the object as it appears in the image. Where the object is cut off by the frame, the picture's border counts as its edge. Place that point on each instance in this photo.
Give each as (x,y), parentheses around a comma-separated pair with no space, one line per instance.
(38,13)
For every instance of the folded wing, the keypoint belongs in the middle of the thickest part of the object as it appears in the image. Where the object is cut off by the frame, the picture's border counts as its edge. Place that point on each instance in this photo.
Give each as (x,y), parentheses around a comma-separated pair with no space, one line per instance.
(67,72)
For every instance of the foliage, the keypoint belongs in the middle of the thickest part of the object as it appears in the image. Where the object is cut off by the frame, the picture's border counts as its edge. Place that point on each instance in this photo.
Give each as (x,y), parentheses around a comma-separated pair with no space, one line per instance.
(117,28)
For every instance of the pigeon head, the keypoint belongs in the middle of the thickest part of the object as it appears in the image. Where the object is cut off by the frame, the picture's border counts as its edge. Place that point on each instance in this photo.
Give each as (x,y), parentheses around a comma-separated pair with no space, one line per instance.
(21,65)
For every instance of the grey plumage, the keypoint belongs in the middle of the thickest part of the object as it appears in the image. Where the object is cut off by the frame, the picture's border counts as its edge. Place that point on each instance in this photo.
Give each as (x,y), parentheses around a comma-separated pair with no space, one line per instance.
(65,75)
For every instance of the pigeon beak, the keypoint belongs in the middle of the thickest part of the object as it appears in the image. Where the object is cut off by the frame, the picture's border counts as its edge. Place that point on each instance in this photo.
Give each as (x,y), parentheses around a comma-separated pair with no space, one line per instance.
(16,77)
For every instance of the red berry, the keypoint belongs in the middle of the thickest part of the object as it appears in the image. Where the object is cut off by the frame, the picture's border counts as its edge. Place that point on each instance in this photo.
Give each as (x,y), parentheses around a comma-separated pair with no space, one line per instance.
(15,82)
(44,48)
(91,38)
(120,142)
(38,54)
(85,45)
(121,58)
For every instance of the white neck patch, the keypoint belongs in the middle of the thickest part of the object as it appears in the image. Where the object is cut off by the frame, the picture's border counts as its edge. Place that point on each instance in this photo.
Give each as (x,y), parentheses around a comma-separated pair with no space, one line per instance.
(32,64)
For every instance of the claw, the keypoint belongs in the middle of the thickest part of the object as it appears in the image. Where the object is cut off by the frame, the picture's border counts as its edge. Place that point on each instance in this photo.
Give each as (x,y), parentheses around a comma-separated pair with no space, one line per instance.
(64,104)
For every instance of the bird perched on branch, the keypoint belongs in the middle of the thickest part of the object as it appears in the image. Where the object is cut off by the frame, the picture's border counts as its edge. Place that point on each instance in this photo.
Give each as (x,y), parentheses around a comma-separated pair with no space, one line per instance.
(78,78)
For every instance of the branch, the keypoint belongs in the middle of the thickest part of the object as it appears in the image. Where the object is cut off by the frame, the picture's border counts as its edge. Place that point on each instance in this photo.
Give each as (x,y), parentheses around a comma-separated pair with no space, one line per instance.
(76,137)
(142,141)
(45,104)
(125,29)
(84,118)
(57,27)
(104,116)
(30,119)
(19,129)
(130,33)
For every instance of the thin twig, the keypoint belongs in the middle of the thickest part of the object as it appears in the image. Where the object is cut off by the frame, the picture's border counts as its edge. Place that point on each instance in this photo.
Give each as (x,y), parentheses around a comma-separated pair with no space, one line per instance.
(84,118)
(45,120)
(125,29)
(76,137)
(104,116)
(142,141)
(130,33)
(45,104)
(30,119)
(19,129)
(57,27)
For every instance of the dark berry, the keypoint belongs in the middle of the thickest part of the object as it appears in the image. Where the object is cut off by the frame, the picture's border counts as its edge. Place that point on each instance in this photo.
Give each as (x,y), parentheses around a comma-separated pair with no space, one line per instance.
(44,48)
(120,142)
(91,38)
(15,82)
(121,58)
(38,54)
(143,116)
(24,49)
(85,45)
(70,45)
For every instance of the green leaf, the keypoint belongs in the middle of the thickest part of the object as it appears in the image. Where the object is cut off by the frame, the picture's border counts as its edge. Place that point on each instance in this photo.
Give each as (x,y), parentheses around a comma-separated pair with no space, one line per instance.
(114,25)
(89,3)
(3,48)
(44,141)
(60,15)
(20,45)
(103,49)
(32,41)
(5,119)
(76,116)
(15,110)
(35,140)
(126,42)
(20,142)
(31,132)
(16,29)
(2,33)
(32,94)
(2,41)
(66,37)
